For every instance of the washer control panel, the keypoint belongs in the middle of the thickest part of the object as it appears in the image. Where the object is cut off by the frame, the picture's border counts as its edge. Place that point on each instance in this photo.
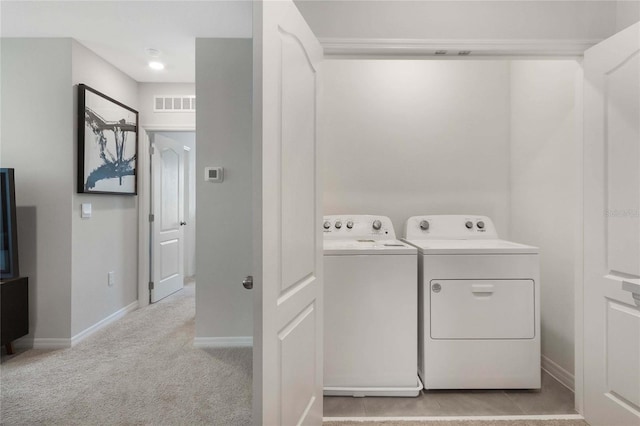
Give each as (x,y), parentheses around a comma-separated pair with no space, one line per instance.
(358,226)
(450,227)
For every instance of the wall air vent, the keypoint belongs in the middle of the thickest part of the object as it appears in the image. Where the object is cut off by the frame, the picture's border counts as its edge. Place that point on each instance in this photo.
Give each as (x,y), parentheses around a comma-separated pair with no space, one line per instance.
(185,103)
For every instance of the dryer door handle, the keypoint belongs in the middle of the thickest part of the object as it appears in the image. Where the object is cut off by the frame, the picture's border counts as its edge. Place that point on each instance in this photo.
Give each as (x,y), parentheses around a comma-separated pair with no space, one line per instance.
(482,289)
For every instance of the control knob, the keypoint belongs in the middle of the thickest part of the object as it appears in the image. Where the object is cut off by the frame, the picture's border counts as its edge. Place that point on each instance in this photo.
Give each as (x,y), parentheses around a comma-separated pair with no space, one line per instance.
(469,224)
(377,225)
(350,224)
(480,225)
(424,225)
(326,224)
(338,225)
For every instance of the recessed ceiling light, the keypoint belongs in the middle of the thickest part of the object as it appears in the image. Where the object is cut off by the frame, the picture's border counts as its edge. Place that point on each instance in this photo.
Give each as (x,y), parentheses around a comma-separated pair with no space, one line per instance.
(154,65)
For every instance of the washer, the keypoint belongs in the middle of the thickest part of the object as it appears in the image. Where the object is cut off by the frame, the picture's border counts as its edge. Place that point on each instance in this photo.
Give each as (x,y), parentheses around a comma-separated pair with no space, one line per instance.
(479,305)
(371,309)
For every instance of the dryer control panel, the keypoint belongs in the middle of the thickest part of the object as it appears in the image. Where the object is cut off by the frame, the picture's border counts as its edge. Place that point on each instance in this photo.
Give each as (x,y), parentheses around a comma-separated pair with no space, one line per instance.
(358,226)
(450,227)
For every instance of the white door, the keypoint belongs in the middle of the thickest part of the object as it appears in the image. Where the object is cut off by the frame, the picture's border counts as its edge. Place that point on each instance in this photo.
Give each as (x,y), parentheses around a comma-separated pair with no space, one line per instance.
(167,260)
(612,231)
(287,270)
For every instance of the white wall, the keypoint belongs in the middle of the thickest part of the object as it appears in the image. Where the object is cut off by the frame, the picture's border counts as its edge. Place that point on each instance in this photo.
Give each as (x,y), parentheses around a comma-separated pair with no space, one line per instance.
(37,140)
(108,241)
(167,120)
(544,190)
(490,20)
(402,138)
(405,138)
(224,135)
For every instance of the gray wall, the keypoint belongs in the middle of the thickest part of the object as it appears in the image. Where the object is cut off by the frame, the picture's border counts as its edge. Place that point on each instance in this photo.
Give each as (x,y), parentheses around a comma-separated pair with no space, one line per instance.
(627,13)
(37,140)
(108,241)
(224,134)
(404,138)
(544,189)
(66,258)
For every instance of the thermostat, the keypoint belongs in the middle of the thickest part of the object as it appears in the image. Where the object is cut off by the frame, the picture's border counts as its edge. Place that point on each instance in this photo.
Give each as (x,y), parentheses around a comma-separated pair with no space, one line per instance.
(214,174)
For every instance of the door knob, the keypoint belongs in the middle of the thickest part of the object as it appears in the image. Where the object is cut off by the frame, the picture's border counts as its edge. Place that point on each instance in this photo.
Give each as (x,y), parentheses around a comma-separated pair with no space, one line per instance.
(248,282)
(183,223)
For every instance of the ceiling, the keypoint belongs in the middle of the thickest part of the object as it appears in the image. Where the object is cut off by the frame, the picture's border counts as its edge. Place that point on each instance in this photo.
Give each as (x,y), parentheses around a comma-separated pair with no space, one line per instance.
(122,31)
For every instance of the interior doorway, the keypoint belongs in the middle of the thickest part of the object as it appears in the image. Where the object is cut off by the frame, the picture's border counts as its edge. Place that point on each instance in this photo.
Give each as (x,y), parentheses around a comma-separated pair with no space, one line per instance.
(172,212)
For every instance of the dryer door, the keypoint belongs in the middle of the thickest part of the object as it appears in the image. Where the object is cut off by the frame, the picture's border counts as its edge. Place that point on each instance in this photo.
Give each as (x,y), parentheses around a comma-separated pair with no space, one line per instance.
(482,309)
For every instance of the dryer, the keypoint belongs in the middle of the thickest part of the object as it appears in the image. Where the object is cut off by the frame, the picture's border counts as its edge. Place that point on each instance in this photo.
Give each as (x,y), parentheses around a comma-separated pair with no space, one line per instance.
(370,309)
(479,305)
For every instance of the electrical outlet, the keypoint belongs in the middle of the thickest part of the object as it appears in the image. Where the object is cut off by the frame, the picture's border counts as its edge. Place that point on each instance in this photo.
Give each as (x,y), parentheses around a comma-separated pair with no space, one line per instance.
(111,278)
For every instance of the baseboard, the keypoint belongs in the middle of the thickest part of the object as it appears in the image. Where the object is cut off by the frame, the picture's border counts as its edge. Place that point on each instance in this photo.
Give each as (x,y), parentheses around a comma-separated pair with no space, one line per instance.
(559,373)
(42,343)
(103,323)
(223,342)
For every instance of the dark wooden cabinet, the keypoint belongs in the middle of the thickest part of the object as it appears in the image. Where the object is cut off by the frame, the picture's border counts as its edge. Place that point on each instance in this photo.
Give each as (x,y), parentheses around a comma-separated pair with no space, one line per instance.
(14,310)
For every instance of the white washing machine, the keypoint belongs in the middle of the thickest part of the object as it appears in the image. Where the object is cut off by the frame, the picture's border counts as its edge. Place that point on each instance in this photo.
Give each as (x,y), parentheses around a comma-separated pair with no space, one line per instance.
(370,309)
(479,305)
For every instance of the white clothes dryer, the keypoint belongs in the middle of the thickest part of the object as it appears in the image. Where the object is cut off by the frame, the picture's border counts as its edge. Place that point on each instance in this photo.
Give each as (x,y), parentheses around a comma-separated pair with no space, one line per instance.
(370,309)
(479,305)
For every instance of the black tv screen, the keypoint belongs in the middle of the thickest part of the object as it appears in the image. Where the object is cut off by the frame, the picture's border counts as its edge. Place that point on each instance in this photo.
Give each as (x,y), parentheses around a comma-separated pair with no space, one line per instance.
(9,237)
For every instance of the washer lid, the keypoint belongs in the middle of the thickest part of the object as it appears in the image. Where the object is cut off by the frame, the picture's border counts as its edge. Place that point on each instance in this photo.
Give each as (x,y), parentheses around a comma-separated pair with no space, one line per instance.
(367,247)
(472,247)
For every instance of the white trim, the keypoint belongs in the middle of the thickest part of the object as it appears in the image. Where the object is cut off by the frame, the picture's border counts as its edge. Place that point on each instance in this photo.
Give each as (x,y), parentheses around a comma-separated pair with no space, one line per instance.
(223,342)
(65,343)
(579,246)
(103,323)
(421,47)
(560,374)
(144,202)
(453,418)
(42,343)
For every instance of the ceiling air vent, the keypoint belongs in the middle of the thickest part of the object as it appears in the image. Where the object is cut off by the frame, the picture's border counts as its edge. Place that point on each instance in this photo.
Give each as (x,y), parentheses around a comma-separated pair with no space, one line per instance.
(441,52)
(464,53)
(174,103)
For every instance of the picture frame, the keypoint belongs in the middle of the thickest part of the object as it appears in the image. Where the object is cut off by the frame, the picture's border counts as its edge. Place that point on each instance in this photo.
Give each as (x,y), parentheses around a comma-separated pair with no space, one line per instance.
(107,144)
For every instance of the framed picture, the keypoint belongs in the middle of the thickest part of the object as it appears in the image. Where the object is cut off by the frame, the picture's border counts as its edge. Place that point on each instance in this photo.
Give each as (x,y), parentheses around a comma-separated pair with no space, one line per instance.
(107,144)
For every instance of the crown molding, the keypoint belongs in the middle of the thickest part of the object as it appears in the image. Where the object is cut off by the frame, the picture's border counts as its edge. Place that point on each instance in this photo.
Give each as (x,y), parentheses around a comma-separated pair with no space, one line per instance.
(357,47)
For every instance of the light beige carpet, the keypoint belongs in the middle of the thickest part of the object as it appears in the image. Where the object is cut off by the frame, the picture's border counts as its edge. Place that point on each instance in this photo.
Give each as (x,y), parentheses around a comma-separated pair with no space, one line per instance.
(464,423)
(140,370)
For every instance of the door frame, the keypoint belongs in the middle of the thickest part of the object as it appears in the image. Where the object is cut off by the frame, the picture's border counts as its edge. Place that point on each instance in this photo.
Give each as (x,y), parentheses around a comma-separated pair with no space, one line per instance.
(509,52)
(144,206)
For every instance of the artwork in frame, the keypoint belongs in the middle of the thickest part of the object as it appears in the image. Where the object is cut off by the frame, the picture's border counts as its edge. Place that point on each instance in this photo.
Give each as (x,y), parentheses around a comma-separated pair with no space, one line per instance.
(107,144)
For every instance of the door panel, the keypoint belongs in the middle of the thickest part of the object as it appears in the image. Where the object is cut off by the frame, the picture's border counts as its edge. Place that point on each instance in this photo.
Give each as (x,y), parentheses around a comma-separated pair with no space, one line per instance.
(287,219)
(169,193)
(623,352)
(612,230)
(623,175)
(167,163)
(298,177)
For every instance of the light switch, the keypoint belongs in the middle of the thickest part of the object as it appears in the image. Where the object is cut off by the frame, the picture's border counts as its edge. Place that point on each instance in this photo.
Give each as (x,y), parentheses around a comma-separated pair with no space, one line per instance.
(86,210)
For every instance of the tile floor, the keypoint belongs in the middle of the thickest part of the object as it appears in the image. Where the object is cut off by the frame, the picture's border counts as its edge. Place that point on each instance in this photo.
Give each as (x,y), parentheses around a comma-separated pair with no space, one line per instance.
(554,398)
